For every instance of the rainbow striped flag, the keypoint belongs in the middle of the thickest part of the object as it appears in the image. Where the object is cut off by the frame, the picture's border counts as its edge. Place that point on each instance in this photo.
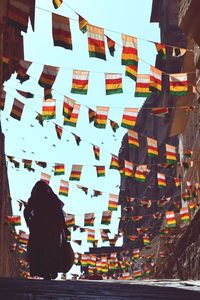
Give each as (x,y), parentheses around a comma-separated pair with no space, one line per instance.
(59,131)
(129,51)
(72,121)
(13,220)
(85,259)
(142,88)
(161,49)
(91,235)
(126,276)
(45,177)
(17,109)
(89,219)
(70,220)
(129,118)
(22,70)
(136,254)
(114,164)
(106,217)
(177,182)
(113,202)
(161,180)
(101,117)
(27,163)
(57,3)
(137,274)
(96,151)
(18,14)
(59,169)
(91,115)
(155,80)
(80,82)
(2,100)
(95,243)
(133,140)
(178,84)
(49,109)
(170,218)
(64,188)
(104,235)
(113,83)
(141,173)
(170,153)
(48,76)
(76,172)
(184,214)
(100,171)
(114,125)
(23,238)
(146,240)
(96,44)
(131,71)
(68,106)
(61,31)
(152,147)
(93,258)
(111,45)
(191,205)
(82,24)
(128,168)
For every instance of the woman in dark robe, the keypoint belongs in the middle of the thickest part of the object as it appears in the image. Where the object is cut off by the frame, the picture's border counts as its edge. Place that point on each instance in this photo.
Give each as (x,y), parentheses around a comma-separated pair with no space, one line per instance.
(45,219)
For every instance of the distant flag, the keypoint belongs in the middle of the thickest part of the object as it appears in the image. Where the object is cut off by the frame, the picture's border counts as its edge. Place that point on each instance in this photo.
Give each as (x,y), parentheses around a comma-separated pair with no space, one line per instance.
(83,188)
(114,125)
(48,76)
(61,31)
(170,218)
(152,147)
(41,164)
(17,109)
(132,237)
(57,3)
(85,259)
(162,202)
(18,14)
(137,274)
(27,163)
(59,169)
(96,44)
(104,235)
(113,83)
(96,193)
(70,220)
(129,51)
(178,84)
(68,106)
(129,118)
(114,164)
(155,80)
(49,109)
(157,216)
(161,180)
(13,220)
(191,205)
(159,111)
(112,244)
(59,131)
(91,115)
(2,100)
(145,203)
(72,121)
(170,153)
(161,48)
(178,51)
(142,88)
(77,139)
(91,235)
(96,151)
(23,238)
(100,171)
(146,240)
(101,117)
(82,24)
(76,172)
(22,70)
(128,168)
(89,219)
(25,94)
(47,93)
(39,118)
(95,244)
(131,71)
(135,254)
(111,45)
(126,276)
(113,202)
(184,214)
(106,217)
(80,82)
(141,173)
(45,177)
(177,181)
(133,140)
(64,188)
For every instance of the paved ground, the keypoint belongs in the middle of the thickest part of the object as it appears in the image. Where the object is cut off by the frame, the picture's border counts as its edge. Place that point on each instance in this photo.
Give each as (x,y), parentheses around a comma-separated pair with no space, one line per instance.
(19,289)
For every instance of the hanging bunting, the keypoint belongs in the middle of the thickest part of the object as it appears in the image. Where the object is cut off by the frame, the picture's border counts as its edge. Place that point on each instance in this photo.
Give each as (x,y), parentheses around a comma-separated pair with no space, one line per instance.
(22,70)
(178,85)
(161,49)
(113,244)
(129,51)
(61,31)
(25,94)
(13,220)
(39,118)
(160,111)
(101,117)
(155,80)
(113,83)
(59,131)
(191,205)
(111,45)
(59,169)
(104,235)
(96,151)
(41,164)
(106,217)
(100,170)
(133,140)
(114,125)
(17,109)
(76,172)
(177,182)
(91,235)
(85,258)
(91,115)
(96,44)
(114,164)
(2,100)
(146,240)
(47,93)
(57,3)
(89,219)
(113,202)
(177,52)
(72,121)
(70,220)
(96,193)
(45,177)
(170,218)
(141,173)
(23,238)
(184,214)
(48,76)
(82,24)
(64,188)
(77,139)
(27,163)
(95,244)
(80,82)
(170,153)
(152,147)
(161,180)
(137,274)
(162,202)
(129,118)
(18,14)
(11,159)
(157,216)
(49,109)
(83,188)
(142,88)
(135,254)
(128,168)
(68,106)
(131,71)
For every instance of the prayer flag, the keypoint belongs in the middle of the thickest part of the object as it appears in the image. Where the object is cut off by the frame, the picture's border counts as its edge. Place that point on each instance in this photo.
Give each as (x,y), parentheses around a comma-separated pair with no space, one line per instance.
(25,94)
(61,31)
(59,169)
(48,76)
(170,153)
(161,48)
(113,83)
(89,219)
(96,44)
(91,115)
(161,180)
(133,140)
(155,80)
(178,84)
(114,125)
(59,131)
(80,82)
(2,100)
(57,3)
(170,218)
(96,151)
(142,88)
(17,109)
(82,24)
(114,164)
(18,14)
(45,177)
(68,106)
(70,220)
(13,220)
(91,235)
(72,121)
(112,244)
(64,188)
(22,70)
(76,172)
(111,45)
(131,71)
(128,168)
(129,118)
(129,51)
(101,116)
(126,276)
(49,109)
(113,202)
(152,147)
(184,214)
(106,217)
(100,171)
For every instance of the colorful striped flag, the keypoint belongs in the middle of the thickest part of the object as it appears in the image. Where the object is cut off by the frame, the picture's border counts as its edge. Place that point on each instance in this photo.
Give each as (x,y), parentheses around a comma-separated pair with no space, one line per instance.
(57,3)
(27,163)
(72,121)
(129,118)
(82,24)
(170,153)
(126,276)
(96,44)
(114,125)
(159,111)
(128,168)
(92,263)
(68,106)
(22,70)
(89,219)
(101,117)
(25,94)
(129,51)
(70,220)
(23,238)
(152,147)
(96,151)
(91,235)
(136,254)
(61,31)
(85,259)
(131,71)
(111,45)
(142,88)
(155,80)
(104,235)
(80,82)
(137,274)
(64,188)
(91,115)
(18,14)
(59,131)
(76,172)
(48,76)
(177,182)
(146,240)
(114,164)
(2,100)
(113,83)
(141,173)
(184,214)
(161,49)
(100,171)
(13,220)
(113,202)
(161,180)
(178,84)
(59,169)
(106,217)
(45,177)
(17,109)
(170,218)
(133,140)
(41,164)
(49,109)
